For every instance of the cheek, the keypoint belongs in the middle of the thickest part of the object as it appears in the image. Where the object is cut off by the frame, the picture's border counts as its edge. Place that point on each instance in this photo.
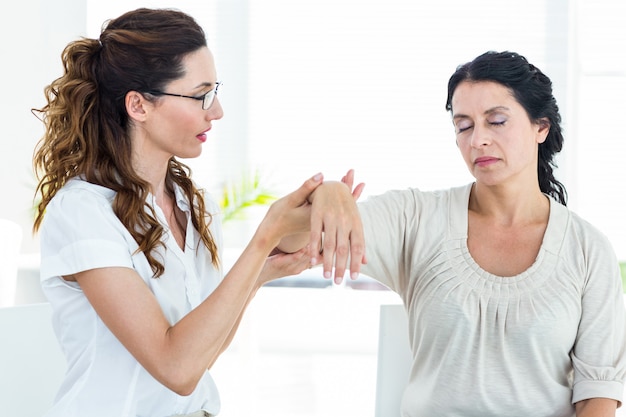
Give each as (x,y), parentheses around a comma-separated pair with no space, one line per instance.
(464,147)
(180,123)
(184,120)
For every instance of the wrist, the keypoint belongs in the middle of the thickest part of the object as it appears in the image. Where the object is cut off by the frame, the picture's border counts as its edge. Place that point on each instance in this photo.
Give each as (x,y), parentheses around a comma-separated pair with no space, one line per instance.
(265,239)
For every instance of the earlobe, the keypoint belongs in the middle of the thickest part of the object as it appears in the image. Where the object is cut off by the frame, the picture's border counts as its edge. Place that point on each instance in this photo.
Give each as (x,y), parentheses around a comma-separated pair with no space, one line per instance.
(135,105)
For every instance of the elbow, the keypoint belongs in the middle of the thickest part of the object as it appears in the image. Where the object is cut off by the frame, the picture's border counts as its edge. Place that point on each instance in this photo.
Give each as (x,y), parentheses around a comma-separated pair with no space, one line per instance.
(184,387)
(185,390)
(179,370)
(181,382)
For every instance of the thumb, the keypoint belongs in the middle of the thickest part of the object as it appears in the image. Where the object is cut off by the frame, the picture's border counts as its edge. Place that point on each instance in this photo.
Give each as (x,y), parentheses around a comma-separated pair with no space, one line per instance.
(301,194)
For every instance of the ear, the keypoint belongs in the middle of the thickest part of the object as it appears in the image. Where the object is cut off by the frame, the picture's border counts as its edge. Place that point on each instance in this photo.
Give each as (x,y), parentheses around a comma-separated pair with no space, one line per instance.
(543,128)
(136,107)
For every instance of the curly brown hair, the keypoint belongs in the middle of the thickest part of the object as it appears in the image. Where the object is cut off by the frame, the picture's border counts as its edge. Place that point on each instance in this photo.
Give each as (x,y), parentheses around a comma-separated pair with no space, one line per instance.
(86,124)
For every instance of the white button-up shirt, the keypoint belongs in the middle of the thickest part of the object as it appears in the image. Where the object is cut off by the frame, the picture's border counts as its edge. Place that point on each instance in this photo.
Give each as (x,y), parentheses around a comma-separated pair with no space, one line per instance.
(81,232)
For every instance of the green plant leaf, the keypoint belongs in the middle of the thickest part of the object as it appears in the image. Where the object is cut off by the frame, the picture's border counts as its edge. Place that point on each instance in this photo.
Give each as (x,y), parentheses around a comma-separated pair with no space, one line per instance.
(241,194)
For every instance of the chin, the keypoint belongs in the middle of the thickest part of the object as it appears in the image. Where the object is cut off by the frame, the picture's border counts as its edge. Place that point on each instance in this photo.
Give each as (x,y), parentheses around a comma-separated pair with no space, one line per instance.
(190,154)
(488,180)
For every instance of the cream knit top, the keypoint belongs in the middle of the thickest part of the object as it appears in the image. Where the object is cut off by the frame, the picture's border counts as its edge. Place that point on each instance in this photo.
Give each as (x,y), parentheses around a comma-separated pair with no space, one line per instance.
(484,345)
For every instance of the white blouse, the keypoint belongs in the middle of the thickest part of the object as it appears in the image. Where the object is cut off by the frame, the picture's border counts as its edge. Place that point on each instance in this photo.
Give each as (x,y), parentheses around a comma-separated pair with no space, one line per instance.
(80,232)
(484,345)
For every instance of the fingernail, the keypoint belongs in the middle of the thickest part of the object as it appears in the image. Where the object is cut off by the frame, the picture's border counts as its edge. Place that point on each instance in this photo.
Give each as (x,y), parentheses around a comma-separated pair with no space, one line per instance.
(338,280)
(354,275)
(317,177)
(313,261)
(327,274)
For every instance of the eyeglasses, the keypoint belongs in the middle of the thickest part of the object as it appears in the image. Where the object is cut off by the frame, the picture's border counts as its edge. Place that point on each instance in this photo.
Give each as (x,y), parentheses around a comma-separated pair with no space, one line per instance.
(207,99)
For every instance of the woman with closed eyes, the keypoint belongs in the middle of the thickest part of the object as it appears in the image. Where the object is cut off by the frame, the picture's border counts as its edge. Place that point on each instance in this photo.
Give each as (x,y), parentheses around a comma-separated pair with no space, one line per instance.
(515,303)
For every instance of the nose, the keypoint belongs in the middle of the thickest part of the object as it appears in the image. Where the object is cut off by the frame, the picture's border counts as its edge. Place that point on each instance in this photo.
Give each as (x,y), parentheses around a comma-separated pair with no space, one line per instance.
(480,137)
(215,112)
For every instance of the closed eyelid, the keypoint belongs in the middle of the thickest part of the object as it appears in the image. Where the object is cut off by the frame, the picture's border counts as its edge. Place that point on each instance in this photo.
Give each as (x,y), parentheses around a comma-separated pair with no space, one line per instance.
(498,119)
(499,112)
(456,119)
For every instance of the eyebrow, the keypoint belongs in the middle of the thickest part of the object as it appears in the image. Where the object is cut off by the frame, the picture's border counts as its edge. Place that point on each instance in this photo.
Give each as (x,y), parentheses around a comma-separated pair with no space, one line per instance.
(486,112)
(205,84)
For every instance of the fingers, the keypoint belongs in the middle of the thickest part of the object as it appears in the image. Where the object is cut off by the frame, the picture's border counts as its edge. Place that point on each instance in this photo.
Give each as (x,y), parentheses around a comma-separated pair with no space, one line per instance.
(356,193)
(279,265)
(348,179)
(315,244)
(293,263)
(300,196)
(336,228)
(357,252)
(336,247)
(344,248)
(289,215)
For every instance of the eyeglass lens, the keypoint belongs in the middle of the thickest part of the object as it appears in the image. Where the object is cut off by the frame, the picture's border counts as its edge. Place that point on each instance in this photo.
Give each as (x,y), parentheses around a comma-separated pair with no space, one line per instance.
(209,98)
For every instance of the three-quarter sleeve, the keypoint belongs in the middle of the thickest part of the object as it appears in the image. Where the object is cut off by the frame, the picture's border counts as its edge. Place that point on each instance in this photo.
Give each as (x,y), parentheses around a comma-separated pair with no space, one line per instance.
(599,353)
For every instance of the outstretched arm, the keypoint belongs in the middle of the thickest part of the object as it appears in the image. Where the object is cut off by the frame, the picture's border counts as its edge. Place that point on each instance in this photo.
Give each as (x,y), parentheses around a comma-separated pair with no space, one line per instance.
(177,355)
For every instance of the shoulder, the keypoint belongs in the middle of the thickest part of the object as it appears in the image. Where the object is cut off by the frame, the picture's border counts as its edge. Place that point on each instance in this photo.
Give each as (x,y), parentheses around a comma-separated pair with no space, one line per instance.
(80,205)
(579,231)
(81,192)
(584,246)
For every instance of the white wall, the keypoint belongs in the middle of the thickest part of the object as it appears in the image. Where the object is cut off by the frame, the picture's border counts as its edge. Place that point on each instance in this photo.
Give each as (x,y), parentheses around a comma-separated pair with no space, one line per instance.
(32,38)
(263,121)
(599,82)
(32,35)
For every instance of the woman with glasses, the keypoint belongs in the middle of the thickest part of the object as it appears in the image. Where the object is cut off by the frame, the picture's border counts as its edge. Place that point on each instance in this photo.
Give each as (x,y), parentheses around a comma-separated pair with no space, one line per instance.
(130,247)
(515,303)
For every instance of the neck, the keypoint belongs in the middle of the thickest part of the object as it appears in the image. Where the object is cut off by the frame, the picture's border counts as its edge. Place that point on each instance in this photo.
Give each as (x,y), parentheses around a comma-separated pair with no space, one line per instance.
(150,166)
(508,206)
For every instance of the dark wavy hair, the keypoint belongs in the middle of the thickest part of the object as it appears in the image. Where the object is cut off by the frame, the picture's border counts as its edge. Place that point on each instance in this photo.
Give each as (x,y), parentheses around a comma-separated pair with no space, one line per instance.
(86,124)
(533,91)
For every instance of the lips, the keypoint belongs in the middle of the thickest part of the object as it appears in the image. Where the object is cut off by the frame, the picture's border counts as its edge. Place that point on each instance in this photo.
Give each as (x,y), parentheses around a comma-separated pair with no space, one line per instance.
(485,161)
(202,136)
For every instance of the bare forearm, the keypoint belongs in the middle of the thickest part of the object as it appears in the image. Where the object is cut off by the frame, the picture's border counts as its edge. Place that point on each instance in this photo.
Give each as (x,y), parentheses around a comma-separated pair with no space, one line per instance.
(177,355)
(234,329)
(197,340)
(213,323)
(596,407)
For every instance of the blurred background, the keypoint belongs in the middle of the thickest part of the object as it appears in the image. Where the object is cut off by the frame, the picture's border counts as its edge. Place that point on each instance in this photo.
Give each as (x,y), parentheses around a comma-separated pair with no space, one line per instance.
(328,85)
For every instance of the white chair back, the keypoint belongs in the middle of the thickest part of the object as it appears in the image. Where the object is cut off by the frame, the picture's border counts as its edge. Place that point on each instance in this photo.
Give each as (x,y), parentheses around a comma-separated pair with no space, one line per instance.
(31,362)
(394,360)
